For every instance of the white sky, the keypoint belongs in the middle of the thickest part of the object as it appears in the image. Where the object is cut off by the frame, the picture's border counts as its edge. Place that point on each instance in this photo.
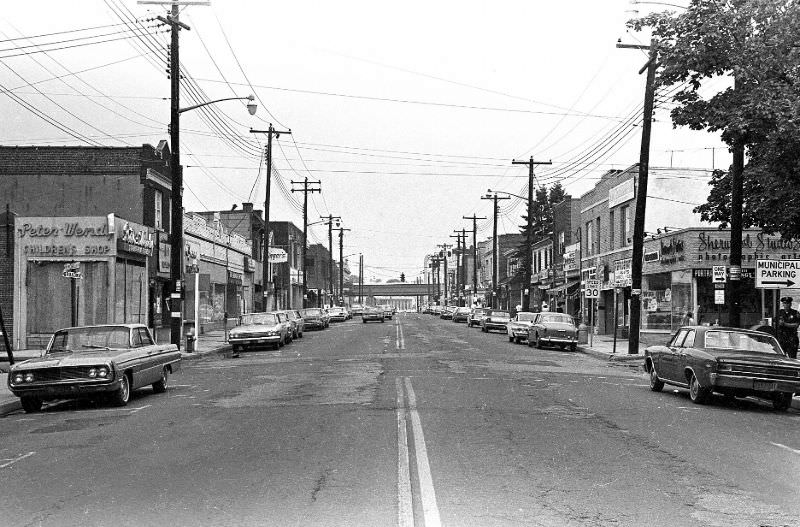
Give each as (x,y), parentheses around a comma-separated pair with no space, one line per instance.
(405,113)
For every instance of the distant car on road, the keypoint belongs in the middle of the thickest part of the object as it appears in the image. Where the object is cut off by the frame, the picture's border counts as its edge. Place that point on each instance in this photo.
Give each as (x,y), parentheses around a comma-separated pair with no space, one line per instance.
(476,315)
(260,329)
(388,311)
(447,312)
(553,329)
(495,319)
(90,361)
(338,314)
(373,313)
(315,318)
(299,324)
(731,361)
(356,310)
(518,326)
(461,314)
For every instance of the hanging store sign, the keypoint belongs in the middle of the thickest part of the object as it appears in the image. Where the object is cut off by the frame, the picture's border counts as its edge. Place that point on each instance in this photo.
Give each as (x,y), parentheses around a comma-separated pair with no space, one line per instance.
(72,270)
(134,238)
(277,255)
(622,273)
(39,237)
(621,193)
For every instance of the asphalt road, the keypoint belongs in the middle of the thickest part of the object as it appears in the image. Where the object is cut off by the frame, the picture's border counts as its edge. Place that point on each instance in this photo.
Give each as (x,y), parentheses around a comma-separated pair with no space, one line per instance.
(417,421)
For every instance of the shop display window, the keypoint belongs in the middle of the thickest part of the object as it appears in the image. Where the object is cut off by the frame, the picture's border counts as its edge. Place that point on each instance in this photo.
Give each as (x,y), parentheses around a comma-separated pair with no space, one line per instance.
(667,300)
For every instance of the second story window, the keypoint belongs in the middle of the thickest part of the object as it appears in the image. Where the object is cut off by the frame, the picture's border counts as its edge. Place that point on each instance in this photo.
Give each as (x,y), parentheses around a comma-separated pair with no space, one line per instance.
(158,207)
(625,222)
(591,247)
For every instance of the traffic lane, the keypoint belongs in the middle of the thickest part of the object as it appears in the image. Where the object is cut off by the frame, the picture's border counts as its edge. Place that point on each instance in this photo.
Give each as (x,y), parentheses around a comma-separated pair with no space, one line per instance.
(603,381)
(253,441)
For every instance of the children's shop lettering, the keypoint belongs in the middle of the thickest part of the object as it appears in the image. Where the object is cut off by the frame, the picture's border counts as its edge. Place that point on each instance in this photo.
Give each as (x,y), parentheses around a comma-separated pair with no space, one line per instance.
(66,250)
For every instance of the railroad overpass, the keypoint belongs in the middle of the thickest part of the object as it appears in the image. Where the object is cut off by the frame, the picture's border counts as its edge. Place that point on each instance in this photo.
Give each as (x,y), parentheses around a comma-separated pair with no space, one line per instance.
(402,295)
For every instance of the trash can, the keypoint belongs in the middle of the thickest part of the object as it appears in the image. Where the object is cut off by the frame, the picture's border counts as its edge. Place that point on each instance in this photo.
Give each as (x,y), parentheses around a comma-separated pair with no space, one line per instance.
(190,338)
(583,334)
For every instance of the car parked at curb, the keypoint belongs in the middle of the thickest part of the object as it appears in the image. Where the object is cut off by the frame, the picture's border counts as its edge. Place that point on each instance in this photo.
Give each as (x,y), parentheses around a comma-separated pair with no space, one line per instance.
(315,318)
(519,325)
(495,319)
(84,362)
(476,315)
(388,311)
(553,329)
(299,324)
(338,314)
(461,314)
(447,313)
(373,313)
(260,329)
(731,361)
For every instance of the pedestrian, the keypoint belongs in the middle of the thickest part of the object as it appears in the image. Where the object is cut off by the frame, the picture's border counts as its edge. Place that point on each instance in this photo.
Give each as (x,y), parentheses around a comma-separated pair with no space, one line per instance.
(788,320)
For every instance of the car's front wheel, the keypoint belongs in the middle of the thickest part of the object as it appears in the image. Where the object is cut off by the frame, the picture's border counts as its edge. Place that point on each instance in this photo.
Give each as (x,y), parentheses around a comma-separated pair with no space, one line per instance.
(31,404)
(656,384)
(782,401)
(123,393)
(160,386)
(511,338)
(697,393)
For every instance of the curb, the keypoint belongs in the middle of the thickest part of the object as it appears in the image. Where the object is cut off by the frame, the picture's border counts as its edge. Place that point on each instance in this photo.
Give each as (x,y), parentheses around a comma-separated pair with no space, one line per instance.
(10,406)
(198,354)
(612,357)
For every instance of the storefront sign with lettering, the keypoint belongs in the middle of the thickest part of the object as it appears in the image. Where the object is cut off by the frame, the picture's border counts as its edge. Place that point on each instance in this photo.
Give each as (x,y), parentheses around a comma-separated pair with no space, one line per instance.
(40,237)
(134,238)
(672,250)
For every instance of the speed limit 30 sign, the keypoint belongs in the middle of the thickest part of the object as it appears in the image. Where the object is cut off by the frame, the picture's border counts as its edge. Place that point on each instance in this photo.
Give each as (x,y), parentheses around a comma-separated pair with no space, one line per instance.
(592,288)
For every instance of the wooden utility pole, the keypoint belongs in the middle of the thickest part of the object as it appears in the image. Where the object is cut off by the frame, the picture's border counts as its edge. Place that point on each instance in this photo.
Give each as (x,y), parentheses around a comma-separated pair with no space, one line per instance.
(474,219)
(341,262)
(529,241)
(458,266)
(305,190)
(641,197)
(443,254)
(329,222)
(266,277)
(735,274)
(495,249)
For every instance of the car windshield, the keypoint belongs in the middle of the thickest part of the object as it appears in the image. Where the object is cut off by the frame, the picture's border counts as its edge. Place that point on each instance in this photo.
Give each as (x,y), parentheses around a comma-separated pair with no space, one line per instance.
(557,318)
(312,312)
(500,314)
(526,317)
(480,311)
(734,340)
(77,340)
(462,310)
(268,319)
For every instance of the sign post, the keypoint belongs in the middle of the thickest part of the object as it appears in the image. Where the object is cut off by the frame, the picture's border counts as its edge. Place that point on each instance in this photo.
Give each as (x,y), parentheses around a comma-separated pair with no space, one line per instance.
(719,277)
(592,294)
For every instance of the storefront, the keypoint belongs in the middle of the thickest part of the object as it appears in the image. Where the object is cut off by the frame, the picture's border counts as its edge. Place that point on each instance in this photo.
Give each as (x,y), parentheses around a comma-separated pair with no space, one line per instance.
(78,271)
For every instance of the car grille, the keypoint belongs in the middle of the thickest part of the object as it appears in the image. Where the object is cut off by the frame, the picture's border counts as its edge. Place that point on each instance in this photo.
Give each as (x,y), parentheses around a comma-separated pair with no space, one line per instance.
(772,372)
(70,373)
(248,335)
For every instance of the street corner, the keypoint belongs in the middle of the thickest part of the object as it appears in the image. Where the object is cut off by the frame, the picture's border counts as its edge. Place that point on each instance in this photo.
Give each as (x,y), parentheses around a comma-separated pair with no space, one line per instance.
(613,357)
(198,354)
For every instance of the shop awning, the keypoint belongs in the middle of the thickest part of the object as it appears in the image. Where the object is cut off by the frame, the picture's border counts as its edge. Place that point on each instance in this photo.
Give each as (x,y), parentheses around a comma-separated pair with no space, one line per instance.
(571,286)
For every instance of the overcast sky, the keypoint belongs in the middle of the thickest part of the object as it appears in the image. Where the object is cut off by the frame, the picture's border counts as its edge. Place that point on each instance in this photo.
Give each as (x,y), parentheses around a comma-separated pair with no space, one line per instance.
(407,113)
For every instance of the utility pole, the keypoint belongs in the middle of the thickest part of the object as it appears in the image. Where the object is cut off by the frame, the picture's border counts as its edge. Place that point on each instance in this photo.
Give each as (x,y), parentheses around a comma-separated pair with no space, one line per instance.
(444,248)
(474,219)
(305,190)
(495,257)
(341,262)
(458,267)
(361,279)
(641,197)
(266,277)
(737,181)
(528,260)
(329,222)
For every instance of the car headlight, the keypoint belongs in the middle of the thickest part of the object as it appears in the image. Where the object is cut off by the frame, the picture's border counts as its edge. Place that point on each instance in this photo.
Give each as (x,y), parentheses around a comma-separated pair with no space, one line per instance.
(725,367)
(18,378)
(102,372)
(29,377)
(92,373)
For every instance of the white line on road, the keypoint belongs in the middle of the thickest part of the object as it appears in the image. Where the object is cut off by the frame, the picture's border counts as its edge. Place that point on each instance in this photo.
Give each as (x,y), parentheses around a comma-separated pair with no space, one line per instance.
(405,508)
(140,408)
(18,458)
(790,449)
(426,490)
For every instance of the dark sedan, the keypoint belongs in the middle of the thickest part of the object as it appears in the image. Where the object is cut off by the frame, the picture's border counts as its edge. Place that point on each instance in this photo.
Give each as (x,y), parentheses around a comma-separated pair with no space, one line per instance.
(373,313)
(461,314)
(733,362)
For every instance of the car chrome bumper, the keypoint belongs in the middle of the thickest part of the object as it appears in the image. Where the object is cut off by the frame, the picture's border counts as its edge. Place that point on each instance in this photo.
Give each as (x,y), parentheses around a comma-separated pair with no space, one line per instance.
(559,340)
(245,341)
(753,384)
(65,390)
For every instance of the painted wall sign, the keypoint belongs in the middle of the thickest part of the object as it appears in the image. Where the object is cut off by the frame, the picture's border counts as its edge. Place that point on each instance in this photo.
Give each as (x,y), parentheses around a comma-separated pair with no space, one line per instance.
(134,238)
(40,237)
(672,250)
(621,193)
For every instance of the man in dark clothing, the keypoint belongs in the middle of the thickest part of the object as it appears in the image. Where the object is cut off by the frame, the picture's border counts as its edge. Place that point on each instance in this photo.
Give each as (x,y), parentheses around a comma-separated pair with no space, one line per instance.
(788,320)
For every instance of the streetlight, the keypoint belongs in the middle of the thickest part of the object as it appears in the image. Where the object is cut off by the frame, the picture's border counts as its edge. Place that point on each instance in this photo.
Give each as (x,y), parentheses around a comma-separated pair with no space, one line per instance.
(176,198)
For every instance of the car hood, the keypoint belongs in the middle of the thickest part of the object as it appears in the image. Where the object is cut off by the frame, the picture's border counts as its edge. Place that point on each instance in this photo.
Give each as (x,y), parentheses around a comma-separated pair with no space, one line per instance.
(256,328)
(61,360)
(558,326)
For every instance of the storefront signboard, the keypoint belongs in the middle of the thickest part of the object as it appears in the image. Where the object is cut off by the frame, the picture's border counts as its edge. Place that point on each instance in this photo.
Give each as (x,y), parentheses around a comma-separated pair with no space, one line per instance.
(164,254)
(72,270)
(622,272)
(277,255)
(777,274)
(40,237)
(571,260)
(621,193)
(134,238)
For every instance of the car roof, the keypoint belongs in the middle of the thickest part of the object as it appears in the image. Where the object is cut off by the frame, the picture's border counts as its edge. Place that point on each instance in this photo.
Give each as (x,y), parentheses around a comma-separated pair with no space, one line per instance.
(129,326)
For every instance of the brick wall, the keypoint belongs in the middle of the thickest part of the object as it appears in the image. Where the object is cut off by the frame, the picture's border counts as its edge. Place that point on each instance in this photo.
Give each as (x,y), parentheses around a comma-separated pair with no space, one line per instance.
(7,273)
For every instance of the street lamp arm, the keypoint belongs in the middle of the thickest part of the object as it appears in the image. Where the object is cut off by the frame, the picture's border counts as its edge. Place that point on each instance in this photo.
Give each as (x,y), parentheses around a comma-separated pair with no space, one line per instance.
(251,107)
(490,191)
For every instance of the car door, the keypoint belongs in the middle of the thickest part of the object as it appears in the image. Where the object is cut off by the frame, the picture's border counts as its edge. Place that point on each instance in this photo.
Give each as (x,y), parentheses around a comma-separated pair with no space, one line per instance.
(685,356)
(668,364)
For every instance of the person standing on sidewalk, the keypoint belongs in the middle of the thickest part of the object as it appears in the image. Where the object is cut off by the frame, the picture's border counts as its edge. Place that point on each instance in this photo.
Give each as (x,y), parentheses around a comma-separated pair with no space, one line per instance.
(788,320)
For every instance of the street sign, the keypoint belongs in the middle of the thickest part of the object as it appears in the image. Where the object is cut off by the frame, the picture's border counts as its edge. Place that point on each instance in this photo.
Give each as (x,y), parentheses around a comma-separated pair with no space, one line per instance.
(72,270)
(718,274)
(719,297)
(777,274)
(277,255)
(593,288)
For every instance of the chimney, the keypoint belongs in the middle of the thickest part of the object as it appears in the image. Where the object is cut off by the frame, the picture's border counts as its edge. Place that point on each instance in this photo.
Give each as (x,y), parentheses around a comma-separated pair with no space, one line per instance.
(247,207)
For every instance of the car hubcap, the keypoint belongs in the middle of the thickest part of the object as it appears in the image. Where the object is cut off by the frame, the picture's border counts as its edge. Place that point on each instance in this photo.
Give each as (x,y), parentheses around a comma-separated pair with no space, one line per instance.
(124,389)
(694,388)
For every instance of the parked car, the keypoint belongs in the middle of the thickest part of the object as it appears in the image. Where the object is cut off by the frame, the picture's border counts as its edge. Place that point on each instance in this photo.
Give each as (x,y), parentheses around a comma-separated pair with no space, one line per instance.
(260,329)
(291,324)
(557,329)
(495,319)
(461,314)
(356,310)
(338,314)
(388,311)
(299,323)
(373,313)
(447,312)
(83,362)
(315,318)
(519,325)
(733,362)
(476,315)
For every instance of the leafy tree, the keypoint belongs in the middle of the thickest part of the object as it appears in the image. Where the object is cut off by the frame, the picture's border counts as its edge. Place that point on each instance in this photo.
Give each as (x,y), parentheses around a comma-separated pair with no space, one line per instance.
(756,43)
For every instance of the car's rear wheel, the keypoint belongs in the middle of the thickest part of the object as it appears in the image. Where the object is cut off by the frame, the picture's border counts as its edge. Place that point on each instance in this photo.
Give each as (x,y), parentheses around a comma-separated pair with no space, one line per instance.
(123,393)
(539,342)
(782,401)
(573,347)
(656,384)
(511,338)
(697,393)
(530,341)
(31,404)
(160,386)
(562,346)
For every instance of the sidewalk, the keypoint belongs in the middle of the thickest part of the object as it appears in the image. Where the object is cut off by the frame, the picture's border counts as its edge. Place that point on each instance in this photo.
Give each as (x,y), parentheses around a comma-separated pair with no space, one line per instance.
(603,348)
(211,342)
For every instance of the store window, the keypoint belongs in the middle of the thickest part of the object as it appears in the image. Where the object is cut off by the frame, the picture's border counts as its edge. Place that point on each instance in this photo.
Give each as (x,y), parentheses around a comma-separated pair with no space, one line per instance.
(130,300)
(657,301)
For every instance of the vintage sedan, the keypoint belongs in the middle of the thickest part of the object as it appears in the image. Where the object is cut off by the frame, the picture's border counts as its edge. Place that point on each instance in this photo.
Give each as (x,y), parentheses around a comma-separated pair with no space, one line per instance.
(553,329)
(338,314)
(85,362)
(733,362)
(447,313)
(260,329)
(315,318)
(495,319)
(461,314)
(476,315)
(299,325)
(373,313)
(388,311)
(519,325)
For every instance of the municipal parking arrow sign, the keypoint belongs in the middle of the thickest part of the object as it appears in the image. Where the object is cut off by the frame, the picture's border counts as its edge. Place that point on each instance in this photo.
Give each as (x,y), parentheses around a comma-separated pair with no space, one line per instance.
(777,274)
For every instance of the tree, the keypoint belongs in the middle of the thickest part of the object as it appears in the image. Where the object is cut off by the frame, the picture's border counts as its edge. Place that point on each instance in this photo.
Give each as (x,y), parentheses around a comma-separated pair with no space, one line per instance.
(754,42)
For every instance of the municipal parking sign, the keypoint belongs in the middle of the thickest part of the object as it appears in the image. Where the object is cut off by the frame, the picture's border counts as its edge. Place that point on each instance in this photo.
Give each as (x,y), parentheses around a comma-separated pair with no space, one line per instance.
(777,274)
